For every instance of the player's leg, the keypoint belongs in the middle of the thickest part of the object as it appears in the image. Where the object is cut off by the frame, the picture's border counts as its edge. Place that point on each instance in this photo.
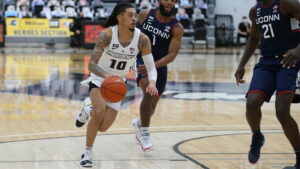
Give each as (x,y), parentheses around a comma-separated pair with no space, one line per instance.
(85,112)
(254,115)
(261,88)
(97,116)
(147,108)
(148,104)
(285,93)
(253,111)
(109,116)
(289,125)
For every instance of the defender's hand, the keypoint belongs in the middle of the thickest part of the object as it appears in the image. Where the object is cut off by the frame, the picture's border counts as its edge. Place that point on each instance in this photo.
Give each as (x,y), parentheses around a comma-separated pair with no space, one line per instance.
(151,88)
(291,58)
(239,74)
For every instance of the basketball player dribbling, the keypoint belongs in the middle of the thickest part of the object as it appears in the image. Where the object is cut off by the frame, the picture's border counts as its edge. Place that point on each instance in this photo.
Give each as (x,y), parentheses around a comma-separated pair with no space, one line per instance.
(165,33)
(274,23)
(115,52)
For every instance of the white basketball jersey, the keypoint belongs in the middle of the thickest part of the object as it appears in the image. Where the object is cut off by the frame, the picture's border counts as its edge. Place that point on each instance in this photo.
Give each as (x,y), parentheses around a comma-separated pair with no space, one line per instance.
(116,59)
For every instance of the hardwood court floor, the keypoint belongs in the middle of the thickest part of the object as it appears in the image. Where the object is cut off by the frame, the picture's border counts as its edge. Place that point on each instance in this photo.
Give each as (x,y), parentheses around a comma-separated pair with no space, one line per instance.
(199,122)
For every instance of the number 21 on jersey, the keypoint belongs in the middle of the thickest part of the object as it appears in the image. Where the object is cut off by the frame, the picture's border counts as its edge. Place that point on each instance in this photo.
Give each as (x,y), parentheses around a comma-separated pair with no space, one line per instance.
(268,31)
(118,65)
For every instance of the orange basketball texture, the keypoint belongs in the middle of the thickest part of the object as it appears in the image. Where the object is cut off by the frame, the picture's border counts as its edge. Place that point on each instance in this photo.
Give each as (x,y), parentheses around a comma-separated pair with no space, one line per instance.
(113,89)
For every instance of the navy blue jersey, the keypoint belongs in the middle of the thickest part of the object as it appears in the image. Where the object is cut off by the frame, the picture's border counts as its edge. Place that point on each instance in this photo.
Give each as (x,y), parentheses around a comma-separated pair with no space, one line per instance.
(278,31)
(160,33)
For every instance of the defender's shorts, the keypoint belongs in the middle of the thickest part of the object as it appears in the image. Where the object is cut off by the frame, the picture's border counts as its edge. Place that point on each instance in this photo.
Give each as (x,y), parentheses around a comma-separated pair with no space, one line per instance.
(269,76)
(162,75)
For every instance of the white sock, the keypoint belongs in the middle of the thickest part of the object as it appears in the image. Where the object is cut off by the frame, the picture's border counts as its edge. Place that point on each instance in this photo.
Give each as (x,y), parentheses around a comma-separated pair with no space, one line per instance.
(88,153)
(89,149)
(145,129)
(139,122)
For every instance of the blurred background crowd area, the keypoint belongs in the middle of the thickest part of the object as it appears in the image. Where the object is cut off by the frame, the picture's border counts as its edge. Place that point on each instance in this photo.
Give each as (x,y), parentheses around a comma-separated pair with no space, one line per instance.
(196,16)
(90,9)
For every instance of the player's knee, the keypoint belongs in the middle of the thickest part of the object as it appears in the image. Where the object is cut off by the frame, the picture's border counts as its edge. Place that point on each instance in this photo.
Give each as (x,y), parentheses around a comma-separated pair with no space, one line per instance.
(254,102)
(103,129)
(283,114)
(251,106)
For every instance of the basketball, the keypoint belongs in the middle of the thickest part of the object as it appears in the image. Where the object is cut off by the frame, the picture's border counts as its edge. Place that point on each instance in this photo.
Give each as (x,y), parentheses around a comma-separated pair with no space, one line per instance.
(113,89)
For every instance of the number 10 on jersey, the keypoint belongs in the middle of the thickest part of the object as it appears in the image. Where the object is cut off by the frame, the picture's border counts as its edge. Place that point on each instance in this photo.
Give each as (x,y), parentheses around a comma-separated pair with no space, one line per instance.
(118,65)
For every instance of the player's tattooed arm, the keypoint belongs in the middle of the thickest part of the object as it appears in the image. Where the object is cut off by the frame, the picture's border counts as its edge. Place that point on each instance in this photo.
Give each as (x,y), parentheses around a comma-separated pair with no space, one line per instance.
(143,15)
(144,44)
(101,42)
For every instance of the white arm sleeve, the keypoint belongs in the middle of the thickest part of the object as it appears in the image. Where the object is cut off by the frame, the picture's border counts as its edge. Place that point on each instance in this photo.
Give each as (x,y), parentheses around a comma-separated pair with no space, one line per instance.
(150,66)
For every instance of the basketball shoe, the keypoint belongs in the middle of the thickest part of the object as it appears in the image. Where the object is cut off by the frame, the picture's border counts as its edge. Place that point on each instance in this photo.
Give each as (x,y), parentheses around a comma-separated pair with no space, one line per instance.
(258,141)
(84,114)
(86,159)
(145,141)
(136,127)
(142,136)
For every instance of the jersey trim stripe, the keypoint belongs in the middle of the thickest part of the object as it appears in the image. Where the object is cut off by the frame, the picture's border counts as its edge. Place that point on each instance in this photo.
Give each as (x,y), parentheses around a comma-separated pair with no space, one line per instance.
(297,30)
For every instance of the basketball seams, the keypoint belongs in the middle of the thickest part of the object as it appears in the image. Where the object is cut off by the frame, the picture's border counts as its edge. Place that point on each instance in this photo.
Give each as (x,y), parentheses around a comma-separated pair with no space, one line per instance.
(112,90)
(103,93)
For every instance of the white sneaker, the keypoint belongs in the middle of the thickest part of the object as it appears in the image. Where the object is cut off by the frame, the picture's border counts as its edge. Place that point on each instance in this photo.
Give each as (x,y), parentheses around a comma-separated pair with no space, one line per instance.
(86,159)
(145,141)
(136,128)
(84,114)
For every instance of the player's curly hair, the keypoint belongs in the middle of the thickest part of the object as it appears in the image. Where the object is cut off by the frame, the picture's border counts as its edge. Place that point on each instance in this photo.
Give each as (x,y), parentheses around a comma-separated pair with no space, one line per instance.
(119,9)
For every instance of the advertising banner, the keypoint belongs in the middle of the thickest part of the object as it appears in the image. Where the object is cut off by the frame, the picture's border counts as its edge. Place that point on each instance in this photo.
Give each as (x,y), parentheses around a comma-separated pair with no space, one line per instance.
(33,27)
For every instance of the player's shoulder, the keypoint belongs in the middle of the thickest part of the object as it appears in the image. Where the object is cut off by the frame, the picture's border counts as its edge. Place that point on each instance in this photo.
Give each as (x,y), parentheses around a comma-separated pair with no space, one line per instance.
(252,12)
(144,41)
(105,37)
(143,15)
(253,8)
(107,32)
(145,12)
(178,28)
(143,37)
(289,5)
(288,2)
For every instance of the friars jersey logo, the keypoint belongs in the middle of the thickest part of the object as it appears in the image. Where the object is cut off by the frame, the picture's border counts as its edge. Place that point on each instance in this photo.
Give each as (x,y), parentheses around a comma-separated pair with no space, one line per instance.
(119,55)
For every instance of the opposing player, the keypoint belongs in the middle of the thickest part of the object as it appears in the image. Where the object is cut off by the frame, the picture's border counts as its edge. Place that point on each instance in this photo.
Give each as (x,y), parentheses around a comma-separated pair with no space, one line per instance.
(273,23)
(165,33)
(115,52)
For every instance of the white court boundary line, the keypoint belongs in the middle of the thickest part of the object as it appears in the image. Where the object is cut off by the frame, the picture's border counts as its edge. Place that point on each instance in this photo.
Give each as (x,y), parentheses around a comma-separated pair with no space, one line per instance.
(114,129)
